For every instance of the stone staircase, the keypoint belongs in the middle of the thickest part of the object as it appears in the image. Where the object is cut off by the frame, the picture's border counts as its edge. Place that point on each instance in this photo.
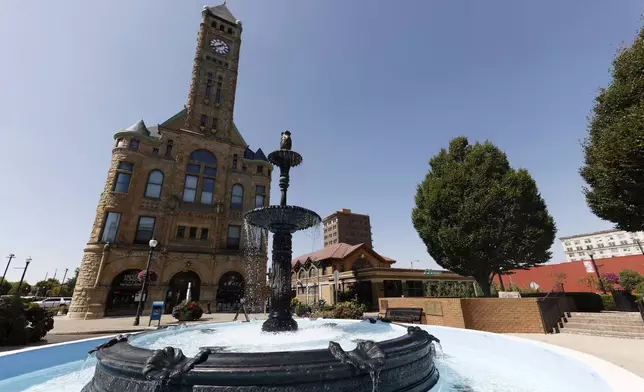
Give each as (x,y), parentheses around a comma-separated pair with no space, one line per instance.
(615,324)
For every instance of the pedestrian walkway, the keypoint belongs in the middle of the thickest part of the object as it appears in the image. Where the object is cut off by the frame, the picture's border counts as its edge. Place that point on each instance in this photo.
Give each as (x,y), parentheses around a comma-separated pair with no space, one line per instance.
(107,325)
(626,353)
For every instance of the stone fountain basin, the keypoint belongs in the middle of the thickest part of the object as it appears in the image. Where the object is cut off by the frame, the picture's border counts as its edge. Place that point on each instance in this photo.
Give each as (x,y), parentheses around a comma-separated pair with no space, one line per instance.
(489,361)
(282,218)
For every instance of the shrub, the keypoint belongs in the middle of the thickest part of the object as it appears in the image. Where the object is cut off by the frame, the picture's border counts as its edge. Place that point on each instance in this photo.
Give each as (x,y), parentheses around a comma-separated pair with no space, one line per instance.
(640,288)
(343,310)
(302,310)
(629,279)
(20,325)
(187,311)
(609,303)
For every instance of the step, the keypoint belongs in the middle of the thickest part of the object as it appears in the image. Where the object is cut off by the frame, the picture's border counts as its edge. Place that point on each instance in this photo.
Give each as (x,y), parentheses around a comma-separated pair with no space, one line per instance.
(604,327)
(627,335)
(604,320)
(614,315)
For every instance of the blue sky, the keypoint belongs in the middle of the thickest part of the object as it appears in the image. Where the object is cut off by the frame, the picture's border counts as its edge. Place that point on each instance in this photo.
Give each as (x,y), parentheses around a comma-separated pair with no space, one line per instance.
(370,90)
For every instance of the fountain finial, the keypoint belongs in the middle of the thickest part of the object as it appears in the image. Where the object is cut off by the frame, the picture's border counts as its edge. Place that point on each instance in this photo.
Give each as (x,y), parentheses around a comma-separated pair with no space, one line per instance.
(285,143)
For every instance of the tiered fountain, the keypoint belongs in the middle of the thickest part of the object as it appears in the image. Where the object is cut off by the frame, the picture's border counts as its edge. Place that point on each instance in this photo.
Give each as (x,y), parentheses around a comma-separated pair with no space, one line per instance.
(404,363)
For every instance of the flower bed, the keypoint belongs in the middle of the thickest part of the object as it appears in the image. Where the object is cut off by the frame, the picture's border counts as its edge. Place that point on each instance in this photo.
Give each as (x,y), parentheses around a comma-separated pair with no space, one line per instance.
(187,311)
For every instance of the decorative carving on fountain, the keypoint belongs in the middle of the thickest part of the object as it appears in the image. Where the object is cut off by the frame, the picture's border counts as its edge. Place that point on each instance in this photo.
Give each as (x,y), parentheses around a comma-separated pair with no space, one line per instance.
(366,356)
(110,343)
(169,365)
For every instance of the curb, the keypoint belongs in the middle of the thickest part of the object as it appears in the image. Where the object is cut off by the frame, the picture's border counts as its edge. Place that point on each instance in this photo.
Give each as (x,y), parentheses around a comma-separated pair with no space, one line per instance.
(101,332)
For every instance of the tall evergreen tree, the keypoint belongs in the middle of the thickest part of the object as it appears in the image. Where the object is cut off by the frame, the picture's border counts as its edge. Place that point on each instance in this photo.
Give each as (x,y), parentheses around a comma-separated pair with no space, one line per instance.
(477,215)
(614,148)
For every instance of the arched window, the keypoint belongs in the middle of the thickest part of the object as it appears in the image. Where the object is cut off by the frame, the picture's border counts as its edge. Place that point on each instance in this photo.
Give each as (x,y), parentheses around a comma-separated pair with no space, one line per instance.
(155,181)
(200,175)
(237,197)
(302,275)
(313,272)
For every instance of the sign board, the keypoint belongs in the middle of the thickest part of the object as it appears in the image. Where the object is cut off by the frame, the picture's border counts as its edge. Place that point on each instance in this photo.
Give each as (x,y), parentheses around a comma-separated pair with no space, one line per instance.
(534,285)
(589,267)
(429,272)
(336,279)
(509,294)
(157,311)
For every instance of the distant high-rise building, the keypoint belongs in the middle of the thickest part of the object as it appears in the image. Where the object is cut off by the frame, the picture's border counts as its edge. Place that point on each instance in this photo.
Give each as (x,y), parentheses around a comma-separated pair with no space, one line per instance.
(347,227)
(605,243)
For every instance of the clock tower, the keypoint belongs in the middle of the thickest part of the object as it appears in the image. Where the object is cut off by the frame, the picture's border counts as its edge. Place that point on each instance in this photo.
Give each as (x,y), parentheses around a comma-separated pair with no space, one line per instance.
(211,98)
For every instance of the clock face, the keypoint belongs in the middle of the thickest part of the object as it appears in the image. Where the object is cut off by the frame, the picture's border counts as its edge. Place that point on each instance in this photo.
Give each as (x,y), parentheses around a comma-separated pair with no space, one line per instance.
(219,46)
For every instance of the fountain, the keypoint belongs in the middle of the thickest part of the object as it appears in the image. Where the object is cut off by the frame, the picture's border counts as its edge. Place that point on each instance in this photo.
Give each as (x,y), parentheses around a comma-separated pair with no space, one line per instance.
(404,363)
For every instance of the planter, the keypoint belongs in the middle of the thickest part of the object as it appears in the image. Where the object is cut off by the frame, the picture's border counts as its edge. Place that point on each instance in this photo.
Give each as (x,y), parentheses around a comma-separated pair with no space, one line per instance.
(624,301)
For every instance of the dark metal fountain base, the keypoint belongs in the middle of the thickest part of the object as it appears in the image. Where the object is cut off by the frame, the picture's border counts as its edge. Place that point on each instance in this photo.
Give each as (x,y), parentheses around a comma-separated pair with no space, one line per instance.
(277,324)
(404,364)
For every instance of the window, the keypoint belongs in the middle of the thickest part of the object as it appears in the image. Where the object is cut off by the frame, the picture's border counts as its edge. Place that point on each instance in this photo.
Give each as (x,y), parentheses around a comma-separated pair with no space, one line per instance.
(204,234)
(260,169)
(230,30)
(201,172)
(581,253)
(260,196)
(623,242)
(155,180)
(237,197)
(234,233)
(567,242)
(589,246)
(204,118)
(580,248)
(181,231)
(600,245)
(576,242)
(134,144)
(220,82)
(110,227)
(415,288)
(123,176)
(234,161)
(213,24)
(611,243)
(193,233)
(214,123)
(144,230)
(587,241)
(119,142)
(221,27)
(168,148)
(208,84)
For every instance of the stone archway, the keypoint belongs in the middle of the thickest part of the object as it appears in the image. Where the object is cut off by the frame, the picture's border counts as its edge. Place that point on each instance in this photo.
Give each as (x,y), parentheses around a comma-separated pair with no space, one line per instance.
(230,291)
(178,289)
(123,296)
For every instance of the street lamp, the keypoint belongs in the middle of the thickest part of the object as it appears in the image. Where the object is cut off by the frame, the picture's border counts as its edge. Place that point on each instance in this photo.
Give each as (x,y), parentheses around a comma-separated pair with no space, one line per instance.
(11,256)
(24,270)
(599,279)
(153,244)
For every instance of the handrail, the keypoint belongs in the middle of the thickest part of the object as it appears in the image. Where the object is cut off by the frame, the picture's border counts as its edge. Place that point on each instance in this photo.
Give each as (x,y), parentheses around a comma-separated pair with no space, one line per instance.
(558,286)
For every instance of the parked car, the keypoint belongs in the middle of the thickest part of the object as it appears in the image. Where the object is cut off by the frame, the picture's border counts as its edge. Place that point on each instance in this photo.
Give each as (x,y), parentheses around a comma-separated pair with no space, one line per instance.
(54,302)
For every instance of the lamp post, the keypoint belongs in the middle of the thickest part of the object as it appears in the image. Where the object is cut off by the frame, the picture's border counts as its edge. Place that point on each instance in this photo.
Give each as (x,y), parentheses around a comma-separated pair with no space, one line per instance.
(11,256)
(24,270)
(144,285)
(599,279)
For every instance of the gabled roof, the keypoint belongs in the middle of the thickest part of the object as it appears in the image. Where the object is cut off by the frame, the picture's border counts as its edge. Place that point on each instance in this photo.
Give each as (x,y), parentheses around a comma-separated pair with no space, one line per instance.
(336,251)
(175,122)
(223,12)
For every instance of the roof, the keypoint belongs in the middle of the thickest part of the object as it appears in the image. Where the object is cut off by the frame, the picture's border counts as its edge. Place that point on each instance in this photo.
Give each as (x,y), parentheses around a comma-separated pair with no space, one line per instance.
(546,275)
(139,130)
(255,156)
(138,127)
(343,211)
(335,251)
(587,234)
(175,120)
(223,12)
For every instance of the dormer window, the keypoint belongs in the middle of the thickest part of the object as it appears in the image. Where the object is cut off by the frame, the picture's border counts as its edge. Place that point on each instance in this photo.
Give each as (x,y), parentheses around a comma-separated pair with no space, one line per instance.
(134,144)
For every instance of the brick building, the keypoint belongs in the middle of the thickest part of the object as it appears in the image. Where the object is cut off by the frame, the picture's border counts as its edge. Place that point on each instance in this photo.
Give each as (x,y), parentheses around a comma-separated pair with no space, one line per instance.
(347,227)
(187,183)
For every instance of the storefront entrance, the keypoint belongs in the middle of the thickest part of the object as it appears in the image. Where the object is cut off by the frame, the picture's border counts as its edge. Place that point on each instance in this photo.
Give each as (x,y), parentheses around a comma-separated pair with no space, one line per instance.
(123,297)
(178,289)
(230,291)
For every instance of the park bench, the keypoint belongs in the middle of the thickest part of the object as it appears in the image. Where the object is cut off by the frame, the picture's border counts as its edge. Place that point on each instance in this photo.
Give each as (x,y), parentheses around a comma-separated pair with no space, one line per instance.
(405,315)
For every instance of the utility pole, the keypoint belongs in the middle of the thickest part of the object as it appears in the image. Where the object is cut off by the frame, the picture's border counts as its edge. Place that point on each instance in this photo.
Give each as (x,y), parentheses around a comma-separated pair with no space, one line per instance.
(11,256)
(24,270)
(55,272)
(63,281)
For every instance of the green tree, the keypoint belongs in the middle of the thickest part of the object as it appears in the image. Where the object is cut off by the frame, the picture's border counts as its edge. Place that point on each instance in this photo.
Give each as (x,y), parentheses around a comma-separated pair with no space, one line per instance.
(614,147)
(5,287)
(25,288)
(477,215)
(629,279)
(45,288)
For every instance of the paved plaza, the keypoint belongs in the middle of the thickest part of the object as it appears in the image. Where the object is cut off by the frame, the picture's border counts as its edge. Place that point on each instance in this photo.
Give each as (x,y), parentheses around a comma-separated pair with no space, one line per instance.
(626,353)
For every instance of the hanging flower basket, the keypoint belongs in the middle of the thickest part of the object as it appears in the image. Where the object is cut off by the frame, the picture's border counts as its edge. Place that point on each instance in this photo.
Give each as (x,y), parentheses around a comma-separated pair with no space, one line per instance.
(152,276)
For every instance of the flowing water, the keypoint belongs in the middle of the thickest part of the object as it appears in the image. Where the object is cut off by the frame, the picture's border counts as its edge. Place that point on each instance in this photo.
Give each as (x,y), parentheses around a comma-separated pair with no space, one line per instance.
(467,361)
(254,262)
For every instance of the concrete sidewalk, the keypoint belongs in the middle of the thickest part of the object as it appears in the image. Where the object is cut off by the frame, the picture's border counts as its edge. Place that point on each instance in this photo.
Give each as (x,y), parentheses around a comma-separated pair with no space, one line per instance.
(66,326)
(625,353)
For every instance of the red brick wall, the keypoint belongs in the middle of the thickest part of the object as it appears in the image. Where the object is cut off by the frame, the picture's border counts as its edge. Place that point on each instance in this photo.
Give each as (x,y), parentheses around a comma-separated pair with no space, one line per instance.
(516,315)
